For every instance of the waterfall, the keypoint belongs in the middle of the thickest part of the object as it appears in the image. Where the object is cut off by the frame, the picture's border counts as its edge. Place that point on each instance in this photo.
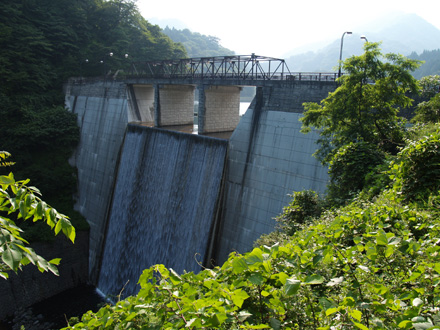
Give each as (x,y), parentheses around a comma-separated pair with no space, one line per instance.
(163,205)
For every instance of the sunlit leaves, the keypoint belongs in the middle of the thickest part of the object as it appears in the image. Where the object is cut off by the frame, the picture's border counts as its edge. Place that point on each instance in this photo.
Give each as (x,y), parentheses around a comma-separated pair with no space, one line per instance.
(314,279)
(292,286)
(23,202)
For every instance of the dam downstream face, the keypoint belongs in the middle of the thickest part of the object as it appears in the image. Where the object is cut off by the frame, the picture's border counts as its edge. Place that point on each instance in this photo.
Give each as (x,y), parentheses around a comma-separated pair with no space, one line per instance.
(163,205)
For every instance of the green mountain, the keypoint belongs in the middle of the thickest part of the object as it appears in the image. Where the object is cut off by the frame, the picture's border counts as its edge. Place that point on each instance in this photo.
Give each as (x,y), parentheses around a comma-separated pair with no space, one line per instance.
(196,44)
(431,65)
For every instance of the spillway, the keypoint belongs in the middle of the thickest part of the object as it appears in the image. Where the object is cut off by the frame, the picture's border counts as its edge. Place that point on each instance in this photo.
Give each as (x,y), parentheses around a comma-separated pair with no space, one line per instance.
(163,205)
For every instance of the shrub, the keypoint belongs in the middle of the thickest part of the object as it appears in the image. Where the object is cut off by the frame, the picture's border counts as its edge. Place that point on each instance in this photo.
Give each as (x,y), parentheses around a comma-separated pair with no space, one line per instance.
(304,206)
(417,172)
(349,168)
(428,111)
(365,266)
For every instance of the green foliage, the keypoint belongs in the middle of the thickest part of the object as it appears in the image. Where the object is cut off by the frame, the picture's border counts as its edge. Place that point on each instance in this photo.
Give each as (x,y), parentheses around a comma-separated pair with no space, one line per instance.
(366,266)
(43,141)
(22,202)
(45,42)
(377,180)
(428,111)
(303,208)
(196,44)
(417,170)
(430,85)
(278,236)
(3,156)
(349,168)
(366,104)
(431,65)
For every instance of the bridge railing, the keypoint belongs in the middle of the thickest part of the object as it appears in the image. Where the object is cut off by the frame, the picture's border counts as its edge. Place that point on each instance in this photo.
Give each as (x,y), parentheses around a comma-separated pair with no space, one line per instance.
(294,76)
(313,76)
(236,67)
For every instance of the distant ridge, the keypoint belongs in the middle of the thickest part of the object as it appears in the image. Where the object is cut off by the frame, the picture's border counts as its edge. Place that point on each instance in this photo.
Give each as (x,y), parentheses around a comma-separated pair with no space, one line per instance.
(399,33)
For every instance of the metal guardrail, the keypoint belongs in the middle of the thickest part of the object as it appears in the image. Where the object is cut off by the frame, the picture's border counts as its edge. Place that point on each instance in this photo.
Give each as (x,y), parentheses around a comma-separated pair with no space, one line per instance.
(313,76)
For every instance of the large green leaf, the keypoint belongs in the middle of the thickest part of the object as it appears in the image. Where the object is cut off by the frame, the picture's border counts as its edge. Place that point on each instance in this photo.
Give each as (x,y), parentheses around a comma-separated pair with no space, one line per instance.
(314,279)
(292,286)
(12,257)
(7,180)
(239,265)
(238,297)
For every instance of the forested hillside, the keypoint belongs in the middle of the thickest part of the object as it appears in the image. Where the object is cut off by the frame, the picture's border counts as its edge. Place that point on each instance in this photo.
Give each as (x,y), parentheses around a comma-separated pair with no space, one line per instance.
(196,44)
(45,42)
(431,65)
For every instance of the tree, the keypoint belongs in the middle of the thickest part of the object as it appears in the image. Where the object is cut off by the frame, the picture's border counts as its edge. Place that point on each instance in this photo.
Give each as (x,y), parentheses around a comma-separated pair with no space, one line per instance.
(20,202)
(428,111)
(430,85)
(416,172)
(349,168)
(366,104)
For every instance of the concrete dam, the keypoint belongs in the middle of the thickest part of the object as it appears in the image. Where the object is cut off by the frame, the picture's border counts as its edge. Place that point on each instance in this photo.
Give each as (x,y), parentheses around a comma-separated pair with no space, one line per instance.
(155,195)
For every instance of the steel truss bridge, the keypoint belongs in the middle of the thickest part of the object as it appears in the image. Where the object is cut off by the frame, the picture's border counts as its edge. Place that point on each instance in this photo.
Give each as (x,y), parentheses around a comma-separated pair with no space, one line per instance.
(235,67)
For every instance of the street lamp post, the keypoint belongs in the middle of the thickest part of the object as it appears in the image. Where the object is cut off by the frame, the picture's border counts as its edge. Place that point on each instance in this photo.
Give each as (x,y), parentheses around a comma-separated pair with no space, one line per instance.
(107,62)
(340,51)
(80,67)
(364,38)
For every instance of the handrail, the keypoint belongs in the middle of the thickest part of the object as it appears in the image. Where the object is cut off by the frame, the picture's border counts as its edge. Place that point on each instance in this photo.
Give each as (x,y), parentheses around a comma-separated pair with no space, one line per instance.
(297,76)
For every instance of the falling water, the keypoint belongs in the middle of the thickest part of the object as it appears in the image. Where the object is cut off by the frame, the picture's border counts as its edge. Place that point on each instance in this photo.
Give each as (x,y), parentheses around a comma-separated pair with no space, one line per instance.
(163,205)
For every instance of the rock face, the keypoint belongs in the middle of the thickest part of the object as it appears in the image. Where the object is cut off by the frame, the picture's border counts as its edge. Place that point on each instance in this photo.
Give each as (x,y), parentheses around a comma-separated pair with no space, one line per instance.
(29,286)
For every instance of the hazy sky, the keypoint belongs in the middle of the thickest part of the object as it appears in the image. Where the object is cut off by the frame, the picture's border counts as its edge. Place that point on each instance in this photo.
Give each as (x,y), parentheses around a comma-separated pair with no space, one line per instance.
(274,27)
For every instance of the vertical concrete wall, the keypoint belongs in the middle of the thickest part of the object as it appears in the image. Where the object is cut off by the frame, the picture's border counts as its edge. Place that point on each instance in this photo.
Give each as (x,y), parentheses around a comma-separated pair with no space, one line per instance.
(141,103)
(102,117)
(221,108)
(268,159)
(176,104)
(291,96)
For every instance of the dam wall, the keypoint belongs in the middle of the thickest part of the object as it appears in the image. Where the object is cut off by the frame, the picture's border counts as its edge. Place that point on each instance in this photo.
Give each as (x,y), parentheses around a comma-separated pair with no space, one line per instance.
(102,112)
(268,159)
